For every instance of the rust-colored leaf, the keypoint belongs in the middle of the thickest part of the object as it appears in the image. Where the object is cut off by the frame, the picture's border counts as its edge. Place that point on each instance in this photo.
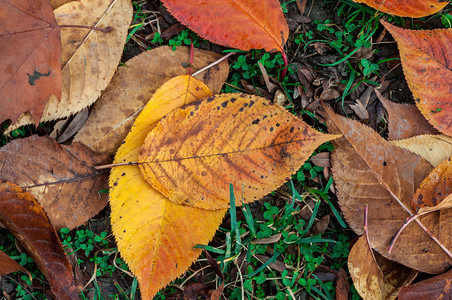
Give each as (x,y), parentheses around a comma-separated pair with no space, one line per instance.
(240,24)
(29,58)
(26,220)
(438,287)
(427,65)
(405,120)
(132,87)
(52,173)
(434,148)
(194,153)
(9,265)
(369,170)
(154,235)
(406,8)
(374,276)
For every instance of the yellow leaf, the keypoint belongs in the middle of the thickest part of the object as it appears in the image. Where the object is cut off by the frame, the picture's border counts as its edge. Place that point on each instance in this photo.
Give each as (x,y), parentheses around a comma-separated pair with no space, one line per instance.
(152,232)
(193,154)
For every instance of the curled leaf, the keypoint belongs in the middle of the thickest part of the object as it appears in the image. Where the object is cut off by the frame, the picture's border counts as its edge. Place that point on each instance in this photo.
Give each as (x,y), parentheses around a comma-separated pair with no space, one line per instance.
(406,8)
(438,287)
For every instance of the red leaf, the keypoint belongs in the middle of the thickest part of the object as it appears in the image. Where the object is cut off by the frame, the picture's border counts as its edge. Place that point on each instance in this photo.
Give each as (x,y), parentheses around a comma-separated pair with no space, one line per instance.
(438,287)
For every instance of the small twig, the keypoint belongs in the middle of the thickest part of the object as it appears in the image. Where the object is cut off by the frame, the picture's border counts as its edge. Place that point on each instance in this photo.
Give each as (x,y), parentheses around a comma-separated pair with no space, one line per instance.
(213,64)
(284,71)
(109,166)
(106,30)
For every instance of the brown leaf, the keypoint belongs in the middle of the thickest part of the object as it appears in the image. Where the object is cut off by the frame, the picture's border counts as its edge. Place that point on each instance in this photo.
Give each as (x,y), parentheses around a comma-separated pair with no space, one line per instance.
(321,225)
(57,3)
(29,58)
(374,276)
(405,120)
(61,178)
(26,220)
(438,287)
(9,265)
(342,286)
(132,87)
(321,159)
(369,170)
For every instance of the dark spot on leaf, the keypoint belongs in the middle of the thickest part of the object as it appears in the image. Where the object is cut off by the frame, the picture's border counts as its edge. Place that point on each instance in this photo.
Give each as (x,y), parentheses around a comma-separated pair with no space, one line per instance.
(36,75)
(233,100)
(256,121)
(192,113)
(384,164)
(115,184)
(291,129)
(204,173)
(171,151)
(224,104)
(251,103)
(242,109)
(271,129)
(210,99)
(277,124)
(123,174)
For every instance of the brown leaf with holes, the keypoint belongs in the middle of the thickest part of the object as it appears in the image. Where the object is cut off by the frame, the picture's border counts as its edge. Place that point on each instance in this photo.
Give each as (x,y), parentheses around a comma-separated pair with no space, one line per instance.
(132,87)
(374,276)
(438,287)
(30,49)
(61,178)
(27,221)
(369,170)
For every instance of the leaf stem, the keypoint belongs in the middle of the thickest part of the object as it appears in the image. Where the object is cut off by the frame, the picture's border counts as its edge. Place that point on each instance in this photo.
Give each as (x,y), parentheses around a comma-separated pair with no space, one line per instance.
(284,71)
(213,64)
(109,166)
(106,30)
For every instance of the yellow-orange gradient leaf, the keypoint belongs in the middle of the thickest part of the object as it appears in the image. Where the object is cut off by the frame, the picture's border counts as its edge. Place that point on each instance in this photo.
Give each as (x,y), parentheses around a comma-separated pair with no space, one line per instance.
(154,235)
(406,8)
(194,153)
(427,64)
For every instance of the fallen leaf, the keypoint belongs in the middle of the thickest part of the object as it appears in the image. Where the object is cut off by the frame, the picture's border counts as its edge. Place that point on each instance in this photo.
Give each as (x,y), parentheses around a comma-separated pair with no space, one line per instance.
(438,287)
(374,276)
(132,87)
(52,173)
(9,265)
(369,170)
(194,153)
(321,159)
(29,58)
(240,24)
(26,220)
(427,65)
(405,120)
(434,148)
(57,3)
(89,57)
(406,8)
(342,285)
(321,225)
(151,231)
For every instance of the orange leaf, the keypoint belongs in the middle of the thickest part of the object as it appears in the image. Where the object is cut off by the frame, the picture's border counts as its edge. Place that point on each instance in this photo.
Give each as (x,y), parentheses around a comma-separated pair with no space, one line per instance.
(369,170)
(154,235)
(406,8)
(24,217)
(438,287)
(194,153)
(374,276)
(9,265)
(427,65)
(240,24)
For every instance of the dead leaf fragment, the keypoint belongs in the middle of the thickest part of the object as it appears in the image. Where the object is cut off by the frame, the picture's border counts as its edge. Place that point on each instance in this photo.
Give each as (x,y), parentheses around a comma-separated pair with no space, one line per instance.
(194,153)
(26,220)
(375,277)
(9,265)
(438,287)
(132,87)
(29,58)
(406,8)
(52,172)
(342,285)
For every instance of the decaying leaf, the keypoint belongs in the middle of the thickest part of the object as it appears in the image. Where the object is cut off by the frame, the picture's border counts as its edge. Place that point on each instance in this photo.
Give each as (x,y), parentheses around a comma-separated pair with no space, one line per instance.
(29,58)
(240,24)
(405,120)
(154,235)
(379,278)
(434,148)
(438,287)
(26,220)
(9,265)
(133,85)
(52,173)
(194,153)
(406,8)
(57,3)
(369,170)
(89,57)
(427,65)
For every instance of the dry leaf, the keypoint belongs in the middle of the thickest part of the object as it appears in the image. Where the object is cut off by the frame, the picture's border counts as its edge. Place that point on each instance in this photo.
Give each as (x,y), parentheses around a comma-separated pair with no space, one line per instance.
(132,87)
(151,231)
(434,148)
(405,120)
(29,58)
(369,170)
(427,65)
(52,173)
(240,24)
(9,265)
(406,8)
(342,285)
(438,287)
(194,153)
(322,159)
(26,220)
(375,277)
(57,3)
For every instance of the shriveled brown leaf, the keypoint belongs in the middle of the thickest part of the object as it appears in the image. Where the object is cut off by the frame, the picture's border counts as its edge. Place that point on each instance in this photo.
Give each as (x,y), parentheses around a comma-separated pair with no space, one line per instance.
(434,148)
(438,287)
(9,265)
(27,221)
(321,159)
(369,170)
(405,120)
(379,278)
(321,225)
(61,178)
(132,87)
(342,286)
